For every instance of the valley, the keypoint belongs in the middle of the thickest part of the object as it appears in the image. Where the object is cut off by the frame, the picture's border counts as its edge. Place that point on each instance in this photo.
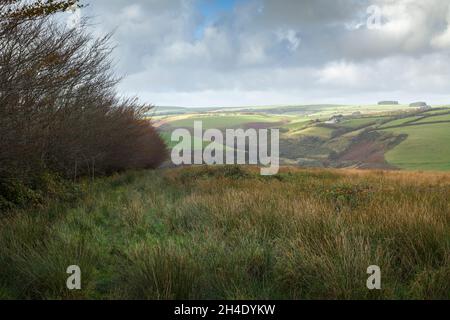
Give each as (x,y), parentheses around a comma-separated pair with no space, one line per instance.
(336,136)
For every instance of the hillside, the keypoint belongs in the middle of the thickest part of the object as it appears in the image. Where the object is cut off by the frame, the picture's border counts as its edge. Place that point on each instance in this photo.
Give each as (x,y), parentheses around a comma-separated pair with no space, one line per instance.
(228,233)
(371,136)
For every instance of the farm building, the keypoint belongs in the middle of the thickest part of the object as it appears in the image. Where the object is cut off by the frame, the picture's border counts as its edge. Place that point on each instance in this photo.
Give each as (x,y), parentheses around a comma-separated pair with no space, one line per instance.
(335,119)
(421,105)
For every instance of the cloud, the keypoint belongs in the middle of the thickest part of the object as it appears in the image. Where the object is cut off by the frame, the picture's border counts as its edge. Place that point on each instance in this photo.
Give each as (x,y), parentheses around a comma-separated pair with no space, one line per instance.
(271,51)
(442,40)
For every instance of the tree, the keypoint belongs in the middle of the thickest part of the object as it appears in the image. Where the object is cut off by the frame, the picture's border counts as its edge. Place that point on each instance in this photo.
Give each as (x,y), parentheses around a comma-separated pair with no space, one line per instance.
(59,110)
(20,10)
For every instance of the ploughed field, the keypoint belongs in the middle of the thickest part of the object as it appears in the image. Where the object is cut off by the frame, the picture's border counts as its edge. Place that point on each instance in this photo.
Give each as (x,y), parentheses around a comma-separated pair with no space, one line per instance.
(229,233)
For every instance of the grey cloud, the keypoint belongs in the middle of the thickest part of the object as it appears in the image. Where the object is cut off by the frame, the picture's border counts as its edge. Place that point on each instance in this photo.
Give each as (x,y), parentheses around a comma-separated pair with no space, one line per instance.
(290,50)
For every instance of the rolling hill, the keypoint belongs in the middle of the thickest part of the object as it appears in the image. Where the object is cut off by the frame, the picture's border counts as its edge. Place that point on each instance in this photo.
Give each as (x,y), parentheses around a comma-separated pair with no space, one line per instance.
(370,136)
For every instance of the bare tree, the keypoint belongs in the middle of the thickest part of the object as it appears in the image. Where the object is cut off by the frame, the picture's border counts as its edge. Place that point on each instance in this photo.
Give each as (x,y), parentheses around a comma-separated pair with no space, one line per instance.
(59,110)
(23,10)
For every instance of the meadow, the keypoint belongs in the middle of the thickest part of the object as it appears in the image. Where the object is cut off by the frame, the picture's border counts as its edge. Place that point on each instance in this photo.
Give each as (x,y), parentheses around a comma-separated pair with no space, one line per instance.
(228,233)
(368,136)
(223,120)
(426,148)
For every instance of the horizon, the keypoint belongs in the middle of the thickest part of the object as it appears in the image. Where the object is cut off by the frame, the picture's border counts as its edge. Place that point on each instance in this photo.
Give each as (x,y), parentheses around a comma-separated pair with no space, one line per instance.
(400,104)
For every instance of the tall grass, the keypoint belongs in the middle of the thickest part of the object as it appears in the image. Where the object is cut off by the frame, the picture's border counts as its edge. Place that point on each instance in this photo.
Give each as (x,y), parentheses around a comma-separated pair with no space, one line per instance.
(228,233)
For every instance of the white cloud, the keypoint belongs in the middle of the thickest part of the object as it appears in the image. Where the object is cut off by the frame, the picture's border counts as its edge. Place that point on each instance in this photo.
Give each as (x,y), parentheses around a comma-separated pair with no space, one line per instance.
(132,12)
(276,52)
(442,40)
(291,36)
(342,74)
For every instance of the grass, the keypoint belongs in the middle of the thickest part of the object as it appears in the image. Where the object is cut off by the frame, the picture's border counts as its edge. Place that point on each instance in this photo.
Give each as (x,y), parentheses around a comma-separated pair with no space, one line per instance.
(328,111)
(222,121)
(426,147)
(297,124)
(315,131)
(361,122)
(401,121)
(445,117)
(441,110)
(228,233)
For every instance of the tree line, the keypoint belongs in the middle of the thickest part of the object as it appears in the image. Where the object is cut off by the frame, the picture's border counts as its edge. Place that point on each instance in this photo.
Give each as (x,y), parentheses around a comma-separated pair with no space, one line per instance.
(59,109)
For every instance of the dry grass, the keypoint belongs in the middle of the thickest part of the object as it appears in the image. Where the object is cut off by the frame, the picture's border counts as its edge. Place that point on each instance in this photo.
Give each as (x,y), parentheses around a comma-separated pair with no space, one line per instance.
(226,232)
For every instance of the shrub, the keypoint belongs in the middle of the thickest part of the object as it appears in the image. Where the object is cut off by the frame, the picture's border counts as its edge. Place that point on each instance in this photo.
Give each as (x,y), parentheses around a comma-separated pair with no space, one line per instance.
(37,191)
(60,113)
(348,195)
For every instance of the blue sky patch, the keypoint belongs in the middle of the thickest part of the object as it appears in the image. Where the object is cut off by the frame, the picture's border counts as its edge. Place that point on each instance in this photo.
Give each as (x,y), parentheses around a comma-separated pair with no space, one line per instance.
(211,10)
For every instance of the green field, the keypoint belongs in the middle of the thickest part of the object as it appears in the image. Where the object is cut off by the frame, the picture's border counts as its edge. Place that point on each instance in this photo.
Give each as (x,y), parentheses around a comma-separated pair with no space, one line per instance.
(445,117)
(221,121)
(401,121)
(321,132)
(327,111)
(438,111)
(426,148)
(361,122)
(297,124)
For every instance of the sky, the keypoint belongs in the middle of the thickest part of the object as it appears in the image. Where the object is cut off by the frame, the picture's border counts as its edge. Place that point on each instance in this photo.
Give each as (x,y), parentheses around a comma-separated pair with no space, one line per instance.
(218,53)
